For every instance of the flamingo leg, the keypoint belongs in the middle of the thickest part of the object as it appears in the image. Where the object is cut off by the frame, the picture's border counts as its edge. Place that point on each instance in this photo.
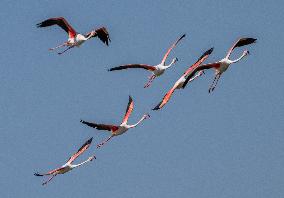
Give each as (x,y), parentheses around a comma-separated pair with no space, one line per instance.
(44,183)
(66,50)
(214,84)
(151,78)
(209,90)
(105,141)
(62,45)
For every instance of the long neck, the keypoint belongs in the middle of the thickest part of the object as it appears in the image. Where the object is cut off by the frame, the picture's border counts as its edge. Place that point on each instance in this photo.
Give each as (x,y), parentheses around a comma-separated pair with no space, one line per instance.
(85,37)
(134,125)
(89,37)
(243,55)
(167,66)
(77,165)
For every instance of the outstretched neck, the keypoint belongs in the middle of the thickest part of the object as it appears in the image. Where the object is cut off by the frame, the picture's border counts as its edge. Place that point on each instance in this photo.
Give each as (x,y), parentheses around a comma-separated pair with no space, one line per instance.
(77,165)
(173,62)
(86,37)
(237,60)
(134,125)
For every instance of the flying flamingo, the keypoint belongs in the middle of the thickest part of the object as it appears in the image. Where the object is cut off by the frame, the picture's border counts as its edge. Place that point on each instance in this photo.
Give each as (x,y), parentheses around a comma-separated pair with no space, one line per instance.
(156,70)
(115,129)
(69,166)
(180,82)
(74,38)
(222,65)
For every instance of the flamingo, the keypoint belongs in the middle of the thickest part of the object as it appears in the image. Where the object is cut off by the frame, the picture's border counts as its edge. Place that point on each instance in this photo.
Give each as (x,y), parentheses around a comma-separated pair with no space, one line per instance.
(68,166)
(180,82)
(156,70)
(221,66)
(74,38)
(115,129)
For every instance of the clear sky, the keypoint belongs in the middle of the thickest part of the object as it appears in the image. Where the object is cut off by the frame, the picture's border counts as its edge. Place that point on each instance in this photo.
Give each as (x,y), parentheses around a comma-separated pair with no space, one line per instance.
(226,144)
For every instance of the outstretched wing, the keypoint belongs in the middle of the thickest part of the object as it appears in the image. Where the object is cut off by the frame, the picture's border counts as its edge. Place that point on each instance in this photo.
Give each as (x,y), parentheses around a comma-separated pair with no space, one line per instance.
(102,34)
(195,65)
(60,21)
(106,127)
(49,173)
(129,110)
(201,59)
(81,150)
(141,66)
(199,68)
(166,98)
(241,42)
(170,49)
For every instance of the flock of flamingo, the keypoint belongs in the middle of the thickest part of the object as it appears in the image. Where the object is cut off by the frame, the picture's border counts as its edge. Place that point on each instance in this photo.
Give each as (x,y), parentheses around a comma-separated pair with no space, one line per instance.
(193,72)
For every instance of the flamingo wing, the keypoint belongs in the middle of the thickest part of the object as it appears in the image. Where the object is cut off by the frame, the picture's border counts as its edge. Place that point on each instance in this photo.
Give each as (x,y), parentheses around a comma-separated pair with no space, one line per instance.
(60,21)
(81,150)
(170,49)
(201,59)
(129,110)
(199,68)
(241,42)
(166,98)
(141,66)
(106,127)
(49,173)
(102,34)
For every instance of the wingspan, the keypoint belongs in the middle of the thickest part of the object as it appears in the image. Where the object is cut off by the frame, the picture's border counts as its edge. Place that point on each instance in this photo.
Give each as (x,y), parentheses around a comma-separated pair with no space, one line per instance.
(141,66)
(81,150)
(106,127)
(170,49)
(241,42)
(102,34)
(129,110)
(60,21)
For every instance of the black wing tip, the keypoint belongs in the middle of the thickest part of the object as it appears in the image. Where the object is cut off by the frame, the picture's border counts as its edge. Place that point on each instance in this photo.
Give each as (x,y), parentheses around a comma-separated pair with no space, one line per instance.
(39,25)
(37,174)
(157,107)
(183,36)
(250,40)
(245,41)
(208,52)
(89,141)
(83,121)
(130,98)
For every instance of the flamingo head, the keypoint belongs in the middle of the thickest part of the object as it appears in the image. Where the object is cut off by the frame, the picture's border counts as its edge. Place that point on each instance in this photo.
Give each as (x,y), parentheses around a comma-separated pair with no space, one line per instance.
(175,60)
(246,52)
(146,116)
(91,158)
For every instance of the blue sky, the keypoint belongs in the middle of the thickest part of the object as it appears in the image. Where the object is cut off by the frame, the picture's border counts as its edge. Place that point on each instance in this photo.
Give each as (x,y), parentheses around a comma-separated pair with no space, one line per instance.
(226,144)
